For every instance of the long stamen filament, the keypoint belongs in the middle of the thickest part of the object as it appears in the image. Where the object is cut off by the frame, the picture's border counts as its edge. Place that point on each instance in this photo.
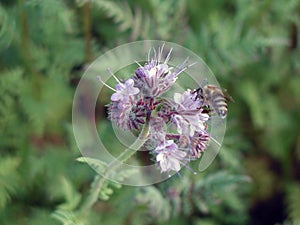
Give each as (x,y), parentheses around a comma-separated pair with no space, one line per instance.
(99,78)
(138,63)
(111,73)
(160,51)
(188,167)
(168,56)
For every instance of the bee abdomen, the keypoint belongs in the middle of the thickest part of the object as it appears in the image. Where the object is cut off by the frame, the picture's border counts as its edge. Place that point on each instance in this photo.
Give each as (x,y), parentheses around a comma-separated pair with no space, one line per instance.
(222,113)
(216,99)
(219,105)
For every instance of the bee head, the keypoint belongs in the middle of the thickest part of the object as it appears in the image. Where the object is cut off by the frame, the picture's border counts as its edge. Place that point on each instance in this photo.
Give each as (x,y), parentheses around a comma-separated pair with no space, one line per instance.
(199,91)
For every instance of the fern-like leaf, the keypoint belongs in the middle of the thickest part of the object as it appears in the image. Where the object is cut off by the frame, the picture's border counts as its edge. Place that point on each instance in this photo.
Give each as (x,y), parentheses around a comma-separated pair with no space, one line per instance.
(157,206)
(9,179)
(7,28)
(96,164)
(120,12)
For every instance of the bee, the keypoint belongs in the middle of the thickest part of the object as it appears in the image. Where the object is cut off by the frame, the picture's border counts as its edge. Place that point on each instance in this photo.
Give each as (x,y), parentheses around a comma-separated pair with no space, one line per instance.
(216,98)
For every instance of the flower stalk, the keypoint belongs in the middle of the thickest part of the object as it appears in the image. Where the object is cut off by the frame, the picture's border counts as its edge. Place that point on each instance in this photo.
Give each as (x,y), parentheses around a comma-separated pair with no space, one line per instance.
(99,180)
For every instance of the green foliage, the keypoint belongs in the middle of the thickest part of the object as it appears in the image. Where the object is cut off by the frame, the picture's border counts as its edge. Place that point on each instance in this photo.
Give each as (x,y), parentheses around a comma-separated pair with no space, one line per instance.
(293,201)
(96,164)
(8,26)
(157,206)
(72,197)
(251,46)
(66,218)
(48,108)
(10,89)
(147,23)
(222,188)
(9,179)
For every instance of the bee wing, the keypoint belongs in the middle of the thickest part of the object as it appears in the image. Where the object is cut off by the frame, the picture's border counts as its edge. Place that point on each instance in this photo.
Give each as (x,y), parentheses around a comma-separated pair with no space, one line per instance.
(227,96)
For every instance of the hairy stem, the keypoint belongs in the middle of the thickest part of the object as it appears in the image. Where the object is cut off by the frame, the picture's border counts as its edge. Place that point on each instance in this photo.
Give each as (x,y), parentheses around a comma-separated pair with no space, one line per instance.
(99,179)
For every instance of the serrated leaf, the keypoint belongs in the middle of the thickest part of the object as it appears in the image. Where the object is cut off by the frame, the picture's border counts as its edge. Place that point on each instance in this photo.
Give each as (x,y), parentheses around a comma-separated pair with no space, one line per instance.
(96,164)
(72,197)
(158,207)
(9,179)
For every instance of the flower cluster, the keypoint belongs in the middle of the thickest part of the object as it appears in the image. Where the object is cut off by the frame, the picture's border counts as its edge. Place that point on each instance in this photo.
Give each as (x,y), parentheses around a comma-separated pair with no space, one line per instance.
(178,129)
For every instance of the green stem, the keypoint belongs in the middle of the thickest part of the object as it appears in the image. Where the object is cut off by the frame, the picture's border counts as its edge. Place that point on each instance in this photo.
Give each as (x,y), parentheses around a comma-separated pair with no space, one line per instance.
(99,179)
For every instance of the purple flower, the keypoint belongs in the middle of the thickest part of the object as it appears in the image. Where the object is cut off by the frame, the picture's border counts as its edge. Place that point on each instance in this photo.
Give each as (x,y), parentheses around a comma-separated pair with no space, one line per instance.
(189,116)
(155,78)
(177,127)
(123,91)
(124,109)
(181,124)
(127,115)
(187,101)
(169,157)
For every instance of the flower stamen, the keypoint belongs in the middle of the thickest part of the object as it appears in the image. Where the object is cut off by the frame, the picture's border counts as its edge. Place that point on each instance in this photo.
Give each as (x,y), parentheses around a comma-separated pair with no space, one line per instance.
(106,85)
(111,73)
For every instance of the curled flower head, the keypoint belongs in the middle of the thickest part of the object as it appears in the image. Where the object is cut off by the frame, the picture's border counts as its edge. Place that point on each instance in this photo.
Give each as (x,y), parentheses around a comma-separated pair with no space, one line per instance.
(199,143)
(195,144)
(127,115)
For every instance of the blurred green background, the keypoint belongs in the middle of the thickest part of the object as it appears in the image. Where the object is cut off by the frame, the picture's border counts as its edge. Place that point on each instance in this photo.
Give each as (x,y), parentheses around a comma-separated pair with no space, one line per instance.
(252,46)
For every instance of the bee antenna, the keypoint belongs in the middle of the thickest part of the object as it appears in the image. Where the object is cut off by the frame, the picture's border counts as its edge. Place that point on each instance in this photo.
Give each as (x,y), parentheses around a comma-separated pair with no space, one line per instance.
(204,82)
(189,168)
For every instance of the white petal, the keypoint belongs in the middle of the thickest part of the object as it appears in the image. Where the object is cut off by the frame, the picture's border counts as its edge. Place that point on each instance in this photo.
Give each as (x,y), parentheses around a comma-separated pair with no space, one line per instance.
(160,157)
(177,98)
(174,164)
(192,131)
(164,166)
(135,91)
(180,154)
(169,142)
(152,72)
(129,82)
